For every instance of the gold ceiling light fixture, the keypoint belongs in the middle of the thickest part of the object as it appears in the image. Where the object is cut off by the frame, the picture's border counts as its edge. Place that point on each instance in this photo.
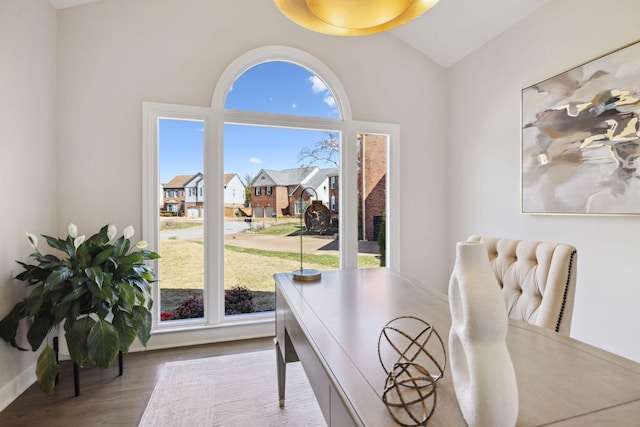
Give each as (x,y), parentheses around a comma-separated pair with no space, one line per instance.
(353,17)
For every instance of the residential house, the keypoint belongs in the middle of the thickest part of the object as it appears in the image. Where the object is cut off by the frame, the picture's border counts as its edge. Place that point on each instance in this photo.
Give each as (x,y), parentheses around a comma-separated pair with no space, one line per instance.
(194,196)
(372,184)
(184,195)
(85,71)
(173,194)
(234,190)
(334,194)
(276,192)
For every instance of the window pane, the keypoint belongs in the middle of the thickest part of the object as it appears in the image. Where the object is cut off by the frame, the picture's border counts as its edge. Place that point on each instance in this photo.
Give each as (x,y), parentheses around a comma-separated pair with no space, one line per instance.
(372,193)
(279,167)
(181,266)
(282,88)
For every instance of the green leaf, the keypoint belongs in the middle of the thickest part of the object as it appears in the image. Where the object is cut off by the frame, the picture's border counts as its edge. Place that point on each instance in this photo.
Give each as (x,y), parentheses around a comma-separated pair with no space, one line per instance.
(43,323)
(127,297)
(132,258)
(60,312)
(103,255)
(127,331)
(74,295)
(101,237)
(9,325)
(104,343)
(47,262)
(59,244)
(142,320)
(47,369)
(150,255)
(121,246)
(58,276)
(32,273)
(82,255)
(77,336)
(95,290)
(95,275)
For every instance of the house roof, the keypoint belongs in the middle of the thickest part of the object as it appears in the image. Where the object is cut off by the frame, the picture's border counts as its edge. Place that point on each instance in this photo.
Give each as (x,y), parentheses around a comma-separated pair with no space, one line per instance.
(316,180)
(228,177)
(288,177)
(179,181)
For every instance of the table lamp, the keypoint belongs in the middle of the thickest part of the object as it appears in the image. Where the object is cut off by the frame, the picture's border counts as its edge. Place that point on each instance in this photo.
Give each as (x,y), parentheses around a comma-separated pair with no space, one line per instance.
(316,218)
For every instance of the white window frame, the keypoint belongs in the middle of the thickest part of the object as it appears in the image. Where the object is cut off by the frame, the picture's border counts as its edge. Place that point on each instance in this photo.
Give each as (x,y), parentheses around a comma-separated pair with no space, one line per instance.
(215,118)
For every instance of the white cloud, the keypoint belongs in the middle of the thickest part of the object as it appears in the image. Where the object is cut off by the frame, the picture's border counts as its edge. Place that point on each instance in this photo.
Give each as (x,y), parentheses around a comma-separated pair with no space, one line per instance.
(256,161)
(294,105)
(317,85)
(329,100)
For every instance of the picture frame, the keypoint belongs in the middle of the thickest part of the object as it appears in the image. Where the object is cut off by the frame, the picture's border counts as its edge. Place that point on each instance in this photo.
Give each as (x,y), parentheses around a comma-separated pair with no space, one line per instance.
(580,145)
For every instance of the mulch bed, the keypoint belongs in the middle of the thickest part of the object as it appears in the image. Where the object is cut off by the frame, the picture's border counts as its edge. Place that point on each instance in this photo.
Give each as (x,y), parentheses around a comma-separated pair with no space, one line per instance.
(171,298)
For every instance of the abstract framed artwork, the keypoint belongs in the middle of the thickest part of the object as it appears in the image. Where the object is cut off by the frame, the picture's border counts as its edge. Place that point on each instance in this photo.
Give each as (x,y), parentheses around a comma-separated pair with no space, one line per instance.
(581,139)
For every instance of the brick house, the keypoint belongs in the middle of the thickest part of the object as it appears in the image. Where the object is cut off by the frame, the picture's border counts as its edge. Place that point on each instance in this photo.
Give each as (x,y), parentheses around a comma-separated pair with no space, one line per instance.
(372,183)
(173,195)
(276,192)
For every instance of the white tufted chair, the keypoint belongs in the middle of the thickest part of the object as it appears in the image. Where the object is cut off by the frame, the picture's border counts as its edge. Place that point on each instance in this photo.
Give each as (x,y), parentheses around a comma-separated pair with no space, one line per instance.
(538,280)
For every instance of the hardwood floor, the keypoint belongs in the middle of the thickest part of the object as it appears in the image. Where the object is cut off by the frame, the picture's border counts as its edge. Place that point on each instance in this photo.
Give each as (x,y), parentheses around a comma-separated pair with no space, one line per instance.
(106,398)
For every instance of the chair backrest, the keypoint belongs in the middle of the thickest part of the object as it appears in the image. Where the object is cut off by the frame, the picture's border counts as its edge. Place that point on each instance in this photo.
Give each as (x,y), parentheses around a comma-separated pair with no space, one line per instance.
(538,280)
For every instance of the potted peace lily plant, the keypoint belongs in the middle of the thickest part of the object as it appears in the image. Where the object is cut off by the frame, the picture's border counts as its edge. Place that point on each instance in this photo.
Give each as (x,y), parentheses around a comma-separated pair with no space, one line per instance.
(100,290)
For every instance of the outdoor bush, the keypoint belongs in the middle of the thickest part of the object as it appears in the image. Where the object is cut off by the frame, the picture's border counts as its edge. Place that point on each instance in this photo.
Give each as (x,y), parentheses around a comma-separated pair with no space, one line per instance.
(238,300)
(192,307)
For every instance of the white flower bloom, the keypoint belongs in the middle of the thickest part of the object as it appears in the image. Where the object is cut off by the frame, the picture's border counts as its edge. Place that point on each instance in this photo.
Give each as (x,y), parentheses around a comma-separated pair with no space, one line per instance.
(78,241)
(128,232)
(111,232)
(142,244)
(72,230)
(33,240)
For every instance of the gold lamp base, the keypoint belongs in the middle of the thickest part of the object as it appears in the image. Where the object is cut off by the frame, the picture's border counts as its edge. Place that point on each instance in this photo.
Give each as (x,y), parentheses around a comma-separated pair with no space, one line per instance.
(307,275)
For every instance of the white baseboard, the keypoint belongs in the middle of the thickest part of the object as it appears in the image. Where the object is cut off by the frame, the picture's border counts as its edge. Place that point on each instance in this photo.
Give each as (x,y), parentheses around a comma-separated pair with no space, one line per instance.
(14,388)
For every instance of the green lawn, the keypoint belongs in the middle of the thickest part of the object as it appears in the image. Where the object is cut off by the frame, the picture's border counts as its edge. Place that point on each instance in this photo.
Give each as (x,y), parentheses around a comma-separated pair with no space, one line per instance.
(182,265)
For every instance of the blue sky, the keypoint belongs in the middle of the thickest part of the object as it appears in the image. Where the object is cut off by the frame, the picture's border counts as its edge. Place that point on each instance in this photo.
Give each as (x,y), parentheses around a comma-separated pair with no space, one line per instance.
(272,87)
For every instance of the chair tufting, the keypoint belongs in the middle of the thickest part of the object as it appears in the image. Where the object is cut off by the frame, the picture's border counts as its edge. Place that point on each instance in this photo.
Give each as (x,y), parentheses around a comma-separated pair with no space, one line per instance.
(538,279)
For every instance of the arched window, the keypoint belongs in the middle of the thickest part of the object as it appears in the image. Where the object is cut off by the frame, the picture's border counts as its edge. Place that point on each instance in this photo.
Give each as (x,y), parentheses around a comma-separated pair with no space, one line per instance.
(280,122)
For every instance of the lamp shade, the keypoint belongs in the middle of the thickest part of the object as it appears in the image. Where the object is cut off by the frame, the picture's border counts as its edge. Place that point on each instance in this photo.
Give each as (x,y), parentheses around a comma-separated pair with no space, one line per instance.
(352,17)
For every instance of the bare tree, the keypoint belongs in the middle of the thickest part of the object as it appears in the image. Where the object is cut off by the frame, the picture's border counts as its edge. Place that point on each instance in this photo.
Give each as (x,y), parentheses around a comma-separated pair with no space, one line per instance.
(247,189)
(327,149)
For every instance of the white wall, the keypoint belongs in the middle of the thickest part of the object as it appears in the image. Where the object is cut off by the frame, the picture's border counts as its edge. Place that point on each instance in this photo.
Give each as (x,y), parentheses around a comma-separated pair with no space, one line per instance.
(115,54)
(27,158)
(484,160)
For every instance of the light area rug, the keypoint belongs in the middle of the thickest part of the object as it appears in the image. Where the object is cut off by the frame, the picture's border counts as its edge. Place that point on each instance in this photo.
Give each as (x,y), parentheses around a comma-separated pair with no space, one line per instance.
(234,390)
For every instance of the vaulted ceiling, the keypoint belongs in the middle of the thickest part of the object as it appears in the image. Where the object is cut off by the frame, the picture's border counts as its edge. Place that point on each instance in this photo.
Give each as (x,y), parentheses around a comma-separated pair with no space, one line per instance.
(448,32)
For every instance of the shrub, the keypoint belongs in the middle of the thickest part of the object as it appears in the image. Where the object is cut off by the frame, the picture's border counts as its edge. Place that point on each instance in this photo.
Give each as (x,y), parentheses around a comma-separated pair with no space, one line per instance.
(190,308)
(166,316)
(238,300)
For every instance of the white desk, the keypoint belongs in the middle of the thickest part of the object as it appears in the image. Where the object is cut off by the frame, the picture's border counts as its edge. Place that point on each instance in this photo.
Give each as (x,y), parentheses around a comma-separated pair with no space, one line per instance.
(332,327)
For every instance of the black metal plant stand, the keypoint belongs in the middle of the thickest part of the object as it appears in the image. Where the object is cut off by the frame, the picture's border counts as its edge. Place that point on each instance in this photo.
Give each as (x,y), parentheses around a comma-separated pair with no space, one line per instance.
(76,368)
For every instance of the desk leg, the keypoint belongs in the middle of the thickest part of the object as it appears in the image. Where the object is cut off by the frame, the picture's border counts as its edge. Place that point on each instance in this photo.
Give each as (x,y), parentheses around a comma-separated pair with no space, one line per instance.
(282,373)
